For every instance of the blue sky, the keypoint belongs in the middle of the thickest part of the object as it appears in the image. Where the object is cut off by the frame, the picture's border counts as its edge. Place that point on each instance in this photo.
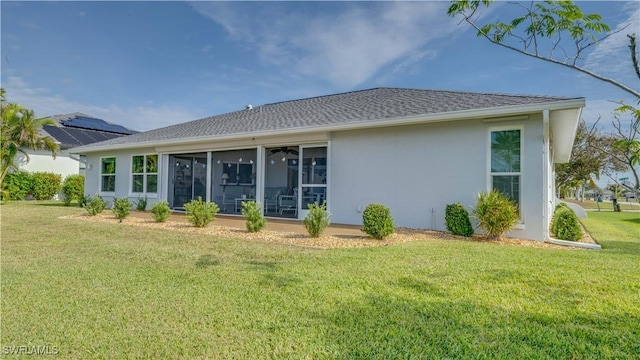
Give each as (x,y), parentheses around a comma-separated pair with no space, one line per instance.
(151,64)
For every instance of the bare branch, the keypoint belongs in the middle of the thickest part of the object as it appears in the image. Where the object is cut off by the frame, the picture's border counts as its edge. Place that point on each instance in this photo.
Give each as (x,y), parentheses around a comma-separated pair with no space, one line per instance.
(634,53)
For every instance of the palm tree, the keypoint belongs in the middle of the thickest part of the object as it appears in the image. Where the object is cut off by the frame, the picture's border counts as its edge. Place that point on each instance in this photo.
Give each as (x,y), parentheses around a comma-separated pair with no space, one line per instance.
(20,129)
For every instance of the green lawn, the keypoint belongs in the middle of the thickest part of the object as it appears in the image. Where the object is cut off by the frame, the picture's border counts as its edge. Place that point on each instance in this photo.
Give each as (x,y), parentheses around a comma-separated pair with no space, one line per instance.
(95,290)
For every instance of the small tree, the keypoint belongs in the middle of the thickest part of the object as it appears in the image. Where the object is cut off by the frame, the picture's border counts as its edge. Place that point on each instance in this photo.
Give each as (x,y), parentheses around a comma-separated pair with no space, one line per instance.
(496,214)
(377,221)
(317,219)
(253,213)
(19,129)
(201,213)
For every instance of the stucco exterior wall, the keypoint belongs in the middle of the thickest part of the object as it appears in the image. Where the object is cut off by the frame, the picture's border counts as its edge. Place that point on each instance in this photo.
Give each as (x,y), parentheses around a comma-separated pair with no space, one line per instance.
(123,176)
(417,170)
(42,161)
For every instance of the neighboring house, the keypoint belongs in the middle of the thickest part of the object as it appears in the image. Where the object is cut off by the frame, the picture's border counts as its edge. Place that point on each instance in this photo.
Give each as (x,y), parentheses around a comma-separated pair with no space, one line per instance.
(414,151)
(74,129)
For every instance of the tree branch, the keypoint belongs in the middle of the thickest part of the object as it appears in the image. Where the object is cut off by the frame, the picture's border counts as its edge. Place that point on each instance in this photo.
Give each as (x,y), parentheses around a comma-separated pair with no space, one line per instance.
(634,53)
(554,61)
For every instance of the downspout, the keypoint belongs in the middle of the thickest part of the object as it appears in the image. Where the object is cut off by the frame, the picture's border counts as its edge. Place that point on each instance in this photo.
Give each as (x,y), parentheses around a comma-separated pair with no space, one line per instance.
(546,173)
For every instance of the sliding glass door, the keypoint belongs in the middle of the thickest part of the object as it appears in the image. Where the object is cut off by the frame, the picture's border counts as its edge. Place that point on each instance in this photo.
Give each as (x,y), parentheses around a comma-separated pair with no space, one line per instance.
(188,179)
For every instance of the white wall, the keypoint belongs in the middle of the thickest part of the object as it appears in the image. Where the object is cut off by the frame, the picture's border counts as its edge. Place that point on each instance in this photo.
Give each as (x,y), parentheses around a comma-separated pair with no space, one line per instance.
(414,170)
(42,161)
(123,175)
(417,170)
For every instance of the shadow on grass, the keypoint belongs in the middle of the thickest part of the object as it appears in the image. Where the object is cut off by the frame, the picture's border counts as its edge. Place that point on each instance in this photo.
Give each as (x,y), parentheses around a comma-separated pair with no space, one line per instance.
(60,204)
(634,221)
(621,247)
(386,326)
(207,260)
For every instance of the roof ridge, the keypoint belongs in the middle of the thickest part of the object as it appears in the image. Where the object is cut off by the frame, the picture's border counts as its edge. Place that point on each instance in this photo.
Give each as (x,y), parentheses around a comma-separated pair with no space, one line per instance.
(327,95)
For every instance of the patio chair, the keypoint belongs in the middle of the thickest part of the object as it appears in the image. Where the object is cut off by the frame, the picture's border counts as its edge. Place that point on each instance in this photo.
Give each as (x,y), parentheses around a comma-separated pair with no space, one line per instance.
(287,203)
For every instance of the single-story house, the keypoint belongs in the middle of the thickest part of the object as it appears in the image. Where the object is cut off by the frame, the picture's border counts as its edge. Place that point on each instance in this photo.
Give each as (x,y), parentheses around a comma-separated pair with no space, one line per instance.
(75,129)
(412,150)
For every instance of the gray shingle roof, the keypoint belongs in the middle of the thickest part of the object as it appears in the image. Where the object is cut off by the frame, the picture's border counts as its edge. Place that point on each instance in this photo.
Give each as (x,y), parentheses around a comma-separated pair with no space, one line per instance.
(340,109)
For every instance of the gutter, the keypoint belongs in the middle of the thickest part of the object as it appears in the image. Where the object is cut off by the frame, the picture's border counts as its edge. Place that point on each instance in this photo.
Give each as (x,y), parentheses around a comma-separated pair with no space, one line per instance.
(410,120)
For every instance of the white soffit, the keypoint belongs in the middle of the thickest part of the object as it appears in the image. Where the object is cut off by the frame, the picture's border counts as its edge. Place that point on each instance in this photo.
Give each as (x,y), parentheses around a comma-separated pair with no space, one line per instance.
(563,124)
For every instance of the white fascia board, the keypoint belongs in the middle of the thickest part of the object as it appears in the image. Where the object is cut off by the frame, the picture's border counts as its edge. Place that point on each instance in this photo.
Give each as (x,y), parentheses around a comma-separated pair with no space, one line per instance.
(410,120)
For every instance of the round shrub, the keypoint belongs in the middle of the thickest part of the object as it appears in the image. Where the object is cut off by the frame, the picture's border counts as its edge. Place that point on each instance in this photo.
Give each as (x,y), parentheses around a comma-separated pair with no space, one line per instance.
(565,225)
(317,219)
(73,188)
(253,213)
(121,208)
(17,185)
(457,220)
(496,214)
(94,205)
(45,185)
(377,221)
(160,211)
(200,213)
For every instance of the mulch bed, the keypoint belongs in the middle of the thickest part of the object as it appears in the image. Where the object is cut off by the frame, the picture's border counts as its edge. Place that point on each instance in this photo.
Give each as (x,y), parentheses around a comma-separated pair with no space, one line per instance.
(350,240)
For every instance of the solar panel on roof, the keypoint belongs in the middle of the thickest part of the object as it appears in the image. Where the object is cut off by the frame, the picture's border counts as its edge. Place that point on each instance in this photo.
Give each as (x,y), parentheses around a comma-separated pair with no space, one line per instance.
(71,136)
(96,124)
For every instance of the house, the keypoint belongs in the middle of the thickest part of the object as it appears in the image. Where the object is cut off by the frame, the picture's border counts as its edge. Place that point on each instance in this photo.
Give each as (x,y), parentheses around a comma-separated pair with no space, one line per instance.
(412,150)
(73,130)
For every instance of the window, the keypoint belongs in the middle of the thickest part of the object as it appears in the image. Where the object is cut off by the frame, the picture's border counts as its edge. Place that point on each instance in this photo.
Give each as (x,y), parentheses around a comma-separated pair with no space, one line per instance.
(144,171)
(108,174)
(506,147)
(238,173)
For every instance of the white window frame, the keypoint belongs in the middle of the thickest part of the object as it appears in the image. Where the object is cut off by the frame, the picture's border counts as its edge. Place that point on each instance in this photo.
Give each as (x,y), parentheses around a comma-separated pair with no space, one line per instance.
(115,172)
(520,174)
(144,174)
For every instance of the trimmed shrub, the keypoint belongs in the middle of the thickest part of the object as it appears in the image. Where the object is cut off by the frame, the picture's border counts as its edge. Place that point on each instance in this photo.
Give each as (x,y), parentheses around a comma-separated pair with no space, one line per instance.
(160,211)
(253,213)
(377,221)
(121,208)
(73,188)
(566,225)
(200,213)
(457,220)
(17,185)
(560,206)
(45,185)
(94,205)
(317,219)
(83,201)
(496,214)
(141,203)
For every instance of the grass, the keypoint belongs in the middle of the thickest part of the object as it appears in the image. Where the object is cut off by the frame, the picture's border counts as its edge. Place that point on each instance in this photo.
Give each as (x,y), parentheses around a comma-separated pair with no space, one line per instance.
(605,206)
(95,290)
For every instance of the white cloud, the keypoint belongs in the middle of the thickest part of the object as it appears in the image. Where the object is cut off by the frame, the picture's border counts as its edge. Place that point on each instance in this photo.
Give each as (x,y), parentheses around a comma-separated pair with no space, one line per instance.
(611,56)
(45,103)
(344,48)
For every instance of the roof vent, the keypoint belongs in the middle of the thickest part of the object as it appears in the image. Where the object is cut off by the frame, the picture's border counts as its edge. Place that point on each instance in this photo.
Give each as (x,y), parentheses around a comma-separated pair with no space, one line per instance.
(249,107)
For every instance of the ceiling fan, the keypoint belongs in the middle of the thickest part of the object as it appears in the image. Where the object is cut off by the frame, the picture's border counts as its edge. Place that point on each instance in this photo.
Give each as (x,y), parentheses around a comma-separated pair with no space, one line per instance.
(284,149)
